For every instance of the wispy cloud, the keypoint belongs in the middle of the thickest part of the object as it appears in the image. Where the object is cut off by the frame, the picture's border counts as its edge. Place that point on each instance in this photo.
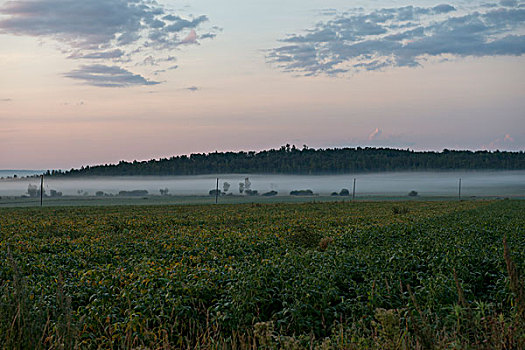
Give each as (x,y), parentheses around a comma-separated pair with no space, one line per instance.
(108,76)
(192,88)
(509,3)
(401,37)
(207,36)
(502,142)
(177,23)
(116,31)
(75,104)
(5,100)
(375,134)
(117,53)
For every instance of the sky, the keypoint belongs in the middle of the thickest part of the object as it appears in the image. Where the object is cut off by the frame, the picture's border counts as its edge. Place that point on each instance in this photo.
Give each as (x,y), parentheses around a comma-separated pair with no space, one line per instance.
(99,81)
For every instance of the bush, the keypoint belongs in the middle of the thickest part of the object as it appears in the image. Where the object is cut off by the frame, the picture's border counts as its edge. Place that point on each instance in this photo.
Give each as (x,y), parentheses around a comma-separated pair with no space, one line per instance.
(412,194)
(302,193)
(344,192)
(214,193)
(270,194)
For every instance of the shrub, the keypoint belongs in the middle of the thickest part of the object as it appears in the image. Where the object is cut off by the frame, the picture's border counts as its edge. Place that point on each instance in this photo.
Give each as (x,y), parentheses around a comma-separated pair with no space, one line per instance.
(344,192)
(301,193)
(214,193)
(270,194)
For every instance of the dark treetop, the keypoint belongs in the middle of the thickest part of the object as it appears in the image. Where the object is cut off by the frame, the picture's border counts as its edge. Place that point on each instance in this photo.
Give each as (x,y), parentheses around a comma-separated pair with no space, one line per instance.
(291,160)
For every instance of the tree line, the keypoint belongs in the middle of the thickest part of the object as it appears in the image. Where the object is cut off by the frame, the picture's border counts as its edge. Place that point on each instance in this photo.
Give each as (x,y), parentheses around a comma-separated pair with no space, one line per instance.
(292,160)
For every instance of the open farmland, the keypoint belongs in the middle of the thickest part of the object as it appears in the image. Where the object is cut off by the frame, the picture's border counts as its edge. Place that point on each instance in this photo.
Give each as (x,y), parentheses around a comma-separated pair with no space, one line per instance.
(326,275)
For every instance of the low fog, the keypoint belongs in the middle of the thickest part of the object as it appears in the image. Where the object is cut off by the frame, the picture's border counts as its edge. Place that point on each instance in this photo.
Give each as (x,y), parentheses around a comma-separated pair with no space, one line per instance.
(485,183)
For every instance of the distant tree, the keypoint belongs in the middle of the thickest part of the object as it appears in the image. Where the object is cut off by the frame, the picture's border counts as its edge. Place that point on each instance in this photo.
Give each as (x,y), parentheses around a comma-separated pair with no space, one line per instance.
(290,160)
(344,192)
(247,184)
(164,192)
(334,194)
(99,194)
(34,191)
(55,193)
(225,186)
(241,187)
(412,194)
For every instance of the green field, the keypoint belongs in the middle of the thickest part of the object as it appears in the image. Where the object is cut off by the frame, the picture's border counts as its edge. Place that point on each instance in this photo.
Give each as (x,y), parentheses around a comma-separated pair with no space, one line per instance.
(333,275)
(152,200)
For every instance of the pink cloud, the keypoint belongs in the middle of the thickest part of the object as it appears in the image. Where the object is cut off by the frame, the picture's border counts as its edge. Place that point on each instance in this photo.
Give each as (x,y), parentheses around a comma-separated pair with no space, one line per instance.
(191,38)
(500,142)
(375,134)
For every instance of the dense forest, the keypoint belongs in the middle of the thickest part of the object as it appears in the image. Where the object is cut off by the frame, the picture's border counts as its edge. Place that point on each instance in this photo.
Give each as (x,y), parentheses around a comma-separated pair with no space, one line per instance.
(291,160)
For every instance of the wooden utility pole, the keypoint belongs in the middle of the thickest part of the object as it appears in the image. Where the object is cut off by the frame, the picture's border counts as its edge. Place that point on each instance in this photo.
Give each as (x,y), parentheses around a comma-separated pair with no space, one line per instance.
(459,190)
(41,189)
(353,190)
(217,192)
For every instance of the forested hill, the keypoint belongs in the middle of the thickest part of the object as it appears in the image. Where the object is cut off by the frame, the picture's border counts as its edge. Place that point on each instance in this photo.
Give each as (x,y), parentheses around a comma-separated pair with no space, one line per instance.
(291,160)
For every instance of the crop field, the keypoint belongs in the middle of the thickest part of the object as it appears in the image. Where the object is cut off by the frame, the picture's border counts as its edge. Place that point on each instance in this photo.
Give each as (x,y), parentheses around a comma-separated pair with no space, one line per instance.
(334,275)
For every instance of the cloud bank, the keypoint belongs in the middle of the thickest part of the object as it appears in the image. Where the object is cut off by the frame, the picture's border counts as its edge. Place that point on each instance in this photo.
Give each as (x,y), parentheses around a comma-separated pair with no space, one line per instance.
(401,37)
(107,31)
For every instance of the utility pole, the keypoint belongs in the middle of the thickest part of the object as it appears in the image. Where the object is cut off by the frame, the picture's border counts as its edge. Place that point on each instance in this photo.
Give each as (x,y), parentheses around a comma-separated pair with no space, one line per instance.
(217,192)
(41,189)
(459,190)
(353,190)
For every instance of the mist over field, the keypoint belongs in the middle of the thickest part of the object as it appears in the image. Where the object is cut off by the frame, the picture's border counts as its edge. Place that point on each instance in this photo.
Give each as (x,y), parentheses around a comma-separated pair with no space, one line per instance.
(483,183)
